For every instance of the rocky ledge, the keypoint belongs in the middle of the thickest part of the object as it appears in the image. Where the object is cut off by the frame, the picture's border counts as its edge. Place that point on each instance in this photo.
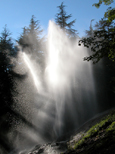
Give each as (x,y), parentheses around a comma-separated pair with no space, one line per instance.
(97,136)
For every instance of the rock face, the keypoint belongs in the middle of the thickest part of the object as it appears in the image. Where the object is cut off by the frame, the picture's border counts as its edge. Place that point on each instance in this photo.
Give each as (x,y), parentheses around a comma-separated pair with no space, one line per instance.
(50,148)
(62,146)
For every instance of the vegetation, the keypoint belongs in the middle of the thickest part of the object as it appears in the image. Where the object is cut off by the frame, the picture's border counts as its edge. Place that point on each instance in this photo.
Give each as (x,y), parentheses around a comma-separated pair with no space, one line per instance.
(32,42)
(7,74)
(8,90)
(62,18)
(100,138)
(102,44)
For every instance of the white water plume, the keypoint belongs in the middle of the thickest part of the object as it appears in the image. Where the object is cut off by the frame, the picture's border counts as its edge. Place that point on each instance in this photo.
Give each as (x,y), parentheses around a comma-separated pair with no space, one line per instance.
(68,98)
(69,81)
(67,73)
(33,72)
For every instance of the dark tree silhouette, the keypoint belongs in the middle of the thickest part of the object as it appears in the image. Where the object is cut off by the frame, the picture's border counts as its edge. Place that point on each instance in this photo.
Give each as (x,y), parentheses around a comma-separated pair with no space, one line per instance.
(62,18)
(102,43)
(7,86)
(89,33)
(32,41)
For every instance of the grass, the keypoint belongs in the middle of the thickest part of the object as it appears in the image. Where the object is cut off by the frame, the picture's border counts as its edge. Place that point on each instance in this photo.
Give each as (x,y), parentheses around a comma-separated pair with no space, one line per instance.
(100,138)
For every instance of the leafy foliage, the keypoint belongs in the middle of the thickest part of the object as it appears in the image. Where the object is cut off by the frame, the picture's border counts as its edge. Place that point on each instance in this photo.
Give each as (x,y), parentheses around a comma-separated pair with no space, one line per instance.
(110,13)
(103,41)
(106,2)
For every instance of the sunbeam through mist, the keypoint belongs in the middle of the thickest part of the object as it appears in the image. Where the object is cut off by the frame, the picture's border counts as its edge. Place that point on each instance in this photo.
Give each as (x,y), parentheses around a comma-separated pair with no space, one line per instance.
(31,68)
(67,98)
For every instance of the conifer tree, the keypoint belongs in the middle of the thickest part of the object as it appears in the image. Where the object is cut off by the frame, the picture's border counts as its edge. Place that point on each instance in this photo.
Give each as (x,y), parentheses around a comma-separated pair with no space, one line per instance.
(6,70)
(32,41)
(90,31)
(102,42)
(62,18)
(7,85)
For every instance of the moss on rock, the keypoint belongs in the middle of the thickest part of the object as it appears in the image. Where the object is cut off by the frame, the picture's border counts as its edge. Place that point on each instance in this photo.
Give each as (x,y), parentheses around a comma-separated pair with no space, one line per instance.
(99,139)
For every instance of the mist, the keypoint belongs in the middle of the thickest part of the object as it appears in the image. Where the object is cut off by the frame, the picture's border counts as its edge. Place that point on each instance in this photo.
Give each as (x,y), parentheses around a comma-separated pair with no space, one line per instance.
(57,101)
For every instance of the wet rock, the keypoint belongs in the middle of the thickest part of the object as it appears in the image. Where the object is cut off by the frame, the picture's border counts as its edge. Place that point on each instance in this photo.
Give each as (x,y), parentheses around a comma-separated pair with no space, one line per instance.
(50,148)
(23,152)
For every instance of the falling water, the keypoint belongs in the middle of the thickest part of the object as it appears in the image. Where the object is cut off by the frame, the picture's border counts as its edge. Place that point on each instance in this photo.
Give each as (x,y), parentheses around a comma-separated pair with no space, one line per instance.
(68,98)
(32,70)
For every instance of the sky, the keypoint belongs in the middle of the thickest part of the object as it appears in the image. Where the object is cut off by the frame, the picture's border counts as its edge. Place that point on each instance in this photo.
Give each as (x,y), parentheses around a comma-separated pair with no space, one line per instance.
(16,14)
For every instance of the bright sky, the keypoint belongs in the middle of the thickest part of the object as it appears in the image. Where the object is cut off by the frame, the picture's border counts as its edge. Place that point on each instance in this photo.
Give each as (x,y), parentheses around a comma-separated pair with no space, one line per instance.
(17,13)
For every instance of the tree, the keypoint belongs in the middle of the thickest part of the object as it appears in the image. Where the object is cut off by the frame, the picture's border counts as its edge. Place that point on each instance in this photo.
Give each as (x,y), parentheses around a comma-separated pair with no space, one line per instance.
(32,41)
(102,42)
(89,32)
(6,70)
(7,85)
(106,2)
(62,18)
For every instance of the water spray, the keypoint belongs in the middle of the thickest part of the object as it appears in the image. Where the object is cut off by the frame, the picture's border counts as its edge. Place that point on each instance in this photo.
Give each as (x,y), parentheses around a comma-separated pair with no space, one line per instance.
(32,70)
